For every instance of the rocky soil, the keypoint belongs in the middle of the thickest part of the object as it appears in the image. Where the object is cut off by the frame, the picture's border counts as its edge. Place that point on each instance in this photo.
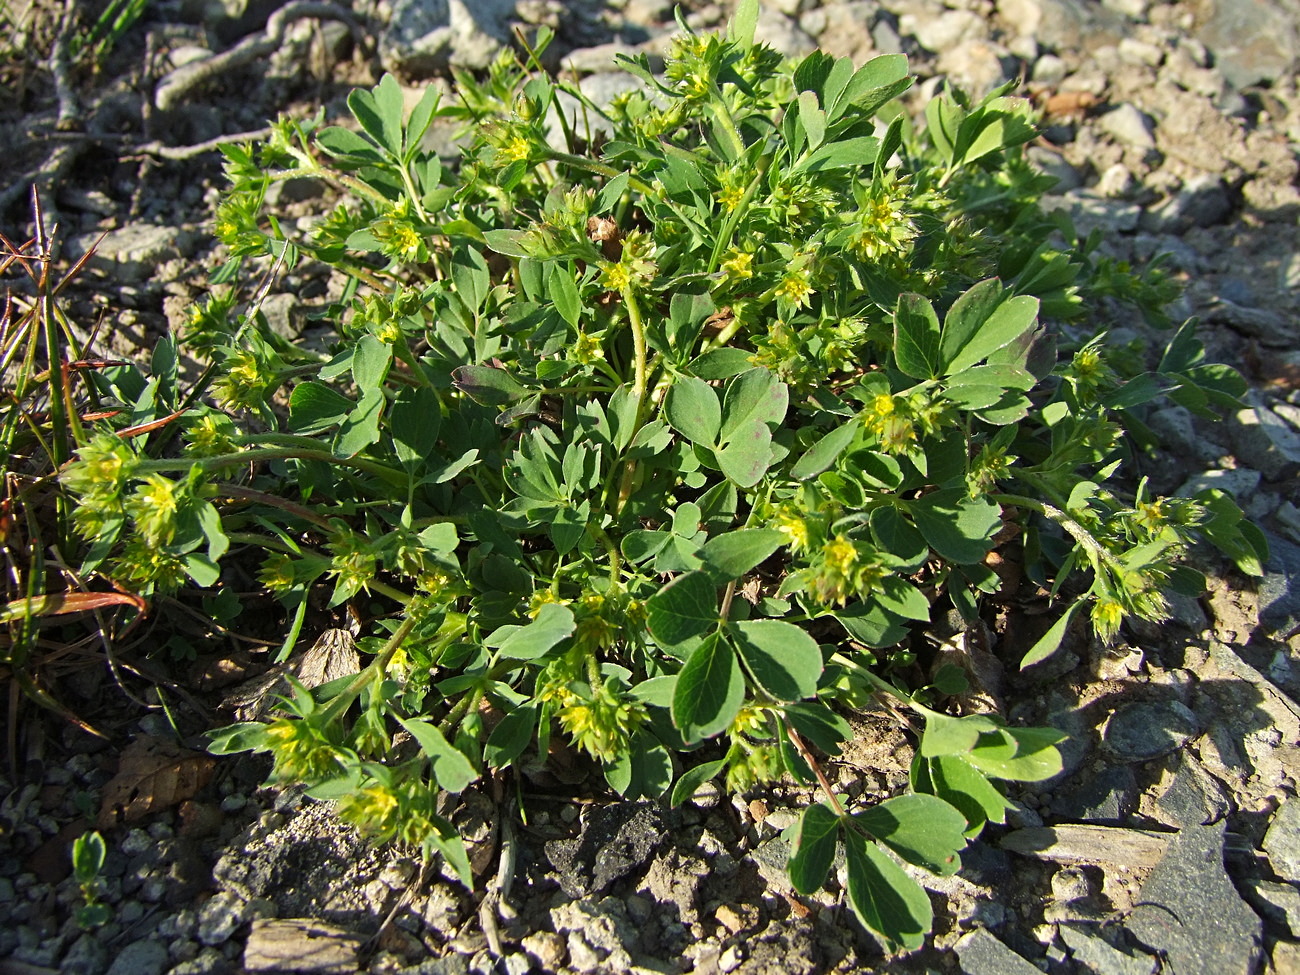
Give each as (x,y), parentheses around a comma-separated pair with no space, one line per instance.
(1170,843)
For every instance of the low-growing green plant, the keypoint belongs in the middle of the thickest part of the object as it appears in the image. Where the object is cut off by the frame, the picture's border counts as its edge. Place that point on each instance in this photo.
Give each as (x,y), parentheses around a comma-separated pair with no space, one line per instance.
(88,853)
(663,437)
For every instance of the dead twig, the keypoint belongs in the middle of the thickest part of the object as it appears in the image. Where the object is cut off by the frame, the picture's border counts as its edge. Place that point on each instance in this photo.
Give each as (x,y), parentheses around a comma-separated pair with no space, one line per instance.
(177,85)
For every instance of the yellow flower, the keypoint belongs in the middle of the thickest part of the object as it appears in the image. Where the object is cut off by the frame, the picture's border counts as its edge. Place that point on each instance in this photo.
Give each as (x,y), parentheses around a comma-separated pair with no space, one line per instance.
(1107,614)
(795,529)
(587,349)
(738,264)
(516,149)
(615,276)
(730,197)
(840,554)
(795,287)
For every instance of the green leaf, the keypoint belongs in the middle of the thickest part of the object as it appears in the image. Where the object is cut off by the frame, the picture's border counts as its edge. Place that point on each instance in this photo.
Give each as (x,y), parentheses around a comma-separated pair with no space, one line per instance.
(982,321)
(896,535)
(959,528)
(784,660)
(247,736)
(685,608)
(731,555)
(360,428)
(842,154)
(314,407)
(692,409)
(710,690)
(487,385)
(451,768)
(946,735)
(721,363)
(344,143)
(921,829)
(692,779)
(916,337)
(812,850)
(871,625)
(824,452)
(564,292)
(418,122)
(1018,754)
(889,903)
(1050,641)
(819,725)
(511,736)
(469,273)
(748,455)
(380,113)
(507,242)
(743,24)
(553,623)
(414,421)
(370,362)
(755,396)
(966,788)
(447,841)
(812,118)
(900,596)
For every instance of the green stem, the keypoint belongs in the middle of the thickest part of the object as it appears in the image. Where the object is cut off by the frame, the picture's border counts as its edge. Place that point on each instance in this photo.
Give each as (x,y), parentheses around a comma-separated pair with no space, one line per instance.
(389,474)
(375,669)
(1098,552)
(600,169)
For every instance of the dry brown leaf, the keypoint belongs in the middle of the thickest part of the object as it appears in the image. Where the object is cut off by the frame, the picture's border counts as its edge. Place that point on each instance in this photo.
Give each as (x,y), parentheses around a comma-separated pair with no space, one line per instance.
(152,774)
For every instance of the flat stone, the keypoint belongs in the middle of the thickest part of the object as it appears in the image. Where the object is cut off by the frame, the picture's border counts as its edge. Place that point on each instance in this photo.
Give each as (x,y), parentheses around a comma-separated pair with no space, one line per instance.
(427,36)
(783,34)
(1194,797)
(1089,213)
(981,953)
(1240,483)
(615,841)
(1095,954)
(1253,40)
(1104,845)
(1190,912)
(132,253)
(1107,797)
(300,945)
(1144,730)
(1282,841)
(145,957)
(1129,126)
(1279,590)
(1279,903)
(1201,202)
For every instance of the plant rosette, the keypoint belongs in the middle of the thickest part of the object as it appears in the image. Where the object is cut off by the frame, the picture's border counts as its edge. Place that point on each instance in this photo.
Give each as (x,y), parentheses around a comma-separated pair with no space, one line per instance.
(664,437)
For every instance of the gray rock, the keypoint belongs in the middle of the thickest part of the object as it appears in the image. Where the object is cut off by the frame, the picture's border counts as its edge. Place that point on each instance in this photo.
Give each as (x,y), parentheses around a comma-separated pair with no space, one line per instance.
(600,935)
(1108,797)
(1195,797)
(1264,441)
(976,65)
(1190,912)
(1288,519)
(778,30)
(1050,70)
(1278,903)
(845,30)
(1074,25)
(1202,202)
(300,945)
(1282,841)
(1054,164)
(427,36)
(1144,730)
(1279,590)
(1133,51)
(131,254)
(1088,212)
(1129,126)
(1253,41)
(983,954)
(1095,954)
(615,841)
(1240,483)
(87,956)
(945,32)
(146,957)
(220,916)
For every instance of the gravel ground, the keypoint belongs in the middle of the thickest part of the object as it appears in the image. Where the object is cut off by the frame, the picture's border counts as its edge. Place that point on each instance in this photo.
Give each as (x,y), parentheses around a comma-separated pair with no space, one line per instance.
(1170,842)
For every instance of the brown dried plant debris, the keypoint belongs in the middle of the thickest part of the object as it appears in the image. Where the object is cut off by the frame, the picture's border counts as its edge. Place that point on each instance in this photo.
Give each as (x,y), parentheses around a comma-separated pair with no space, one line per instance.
(153,774)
